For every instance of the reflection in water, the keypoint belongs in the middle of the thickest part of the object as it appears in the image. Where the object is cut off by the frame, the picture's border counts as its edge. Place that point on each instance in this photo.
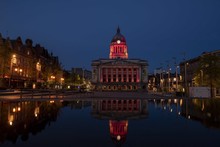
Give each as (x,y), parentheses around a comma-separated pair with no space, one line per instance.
(118,130)
(19,118)
(118,112)
(204,110)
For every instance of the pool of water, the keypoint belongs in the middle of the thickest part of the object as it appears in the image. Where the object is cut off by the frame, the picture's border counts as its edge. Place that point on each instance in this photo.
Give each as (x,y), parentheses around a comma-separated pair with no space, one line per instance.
(110,122)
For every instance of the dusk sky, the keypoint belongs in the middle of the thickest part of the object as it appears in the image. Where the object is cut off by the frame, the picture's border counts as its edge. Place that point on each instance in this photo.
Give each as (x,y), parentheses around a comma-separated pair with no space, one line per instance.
(79,31)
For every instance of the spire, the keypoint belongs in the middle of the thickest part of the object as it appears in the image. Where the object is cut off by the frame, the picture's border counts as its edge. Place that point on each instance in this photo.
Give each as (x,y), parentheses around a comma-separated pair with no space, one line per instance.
(118,30)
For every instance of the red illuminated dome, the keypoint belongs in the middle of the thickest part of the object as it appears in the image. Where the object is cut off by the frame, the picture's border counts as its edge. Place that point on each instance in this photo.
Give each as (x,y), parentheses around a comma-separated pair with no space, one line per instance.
(118,36)
(118,47)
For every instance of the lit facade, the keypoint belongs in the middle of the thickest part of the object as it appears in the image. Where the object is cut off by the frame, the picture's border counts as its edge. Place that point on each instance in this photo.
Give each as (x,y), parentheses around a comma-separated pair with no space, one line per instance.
(23,65)
(188,70)
(164,82)
(119,72)
(118,47)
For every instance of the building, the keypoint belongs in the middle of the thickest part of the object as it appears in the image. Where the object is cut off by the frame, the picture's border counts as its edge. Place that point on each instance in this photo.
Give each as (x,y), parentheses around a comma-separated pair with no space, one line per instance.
(162,81)
(23,65)
(194,76)
(119,72)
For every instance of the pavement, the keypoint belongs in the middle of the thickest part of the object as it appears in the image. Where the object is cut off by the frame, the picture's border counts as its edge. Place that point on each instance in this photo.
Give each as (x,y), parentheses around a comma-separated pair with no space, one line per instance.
(54,94)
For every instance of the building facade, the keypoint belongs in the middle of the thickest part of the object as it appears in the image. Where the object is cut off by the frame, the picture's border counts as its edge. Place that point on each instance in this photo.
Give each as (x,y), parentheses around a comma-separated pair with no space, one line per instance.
(163,81)
(196,76)
(119,72)
(23,65)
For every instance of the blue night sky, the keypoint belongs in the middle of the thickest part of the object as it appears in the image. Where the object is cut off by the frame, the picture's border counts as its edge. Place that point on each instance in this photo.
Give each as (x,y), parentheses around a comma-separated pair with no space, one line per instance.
(79,31)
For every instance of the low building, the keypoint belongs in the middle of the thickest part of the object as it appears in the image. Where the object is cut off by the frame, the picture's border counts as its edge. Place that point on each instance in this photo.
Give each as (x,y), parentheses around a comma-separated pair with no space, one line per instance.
(164,82)
(189,71)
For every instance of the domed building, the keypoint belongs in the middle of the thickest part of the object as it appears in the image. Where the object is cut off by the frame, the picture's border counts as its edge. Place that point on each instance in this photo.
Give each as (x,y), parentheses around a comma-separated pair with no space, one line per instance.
(119,73)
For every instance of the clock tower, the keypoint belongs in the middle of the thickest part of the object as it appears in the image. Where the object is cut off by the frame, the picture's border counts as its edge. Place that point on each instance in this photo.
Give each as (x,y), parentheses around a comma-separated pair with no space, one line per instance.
(118,47)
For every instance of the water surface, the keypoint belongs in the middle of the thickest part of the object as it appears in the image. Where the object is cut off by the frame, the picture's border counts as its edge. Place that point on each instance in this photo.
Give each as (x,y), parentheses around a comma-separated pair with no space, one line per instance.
(110,122)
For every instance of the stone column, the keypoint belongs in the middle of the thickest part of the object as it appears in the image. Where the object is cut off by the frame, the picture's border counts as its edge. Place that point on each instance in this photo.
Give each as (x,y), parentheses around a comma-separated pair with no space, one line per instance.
(122,75)
(111,74)
(132,74)
(106,74)
(116,74)
(99,76)
(137,74)
(127,75)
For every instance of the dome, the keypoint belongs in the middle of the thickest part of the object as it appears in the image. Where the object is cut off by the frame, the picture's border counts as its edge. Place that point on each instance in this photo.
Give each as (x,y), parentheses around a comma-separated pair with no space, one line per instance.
(118,36)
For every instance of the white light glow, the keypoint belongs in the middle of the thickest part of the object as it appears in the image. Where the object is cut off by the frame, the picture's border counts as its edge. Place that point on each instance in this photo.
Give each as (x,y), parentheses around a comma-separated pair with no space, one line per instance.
(10,123)
(118,137)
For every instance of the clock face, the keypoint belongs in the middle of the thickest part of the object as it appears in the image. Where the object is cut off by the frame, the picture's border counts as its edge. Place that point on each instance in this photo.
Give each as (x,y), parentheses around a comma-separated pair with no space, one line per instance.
(118,41)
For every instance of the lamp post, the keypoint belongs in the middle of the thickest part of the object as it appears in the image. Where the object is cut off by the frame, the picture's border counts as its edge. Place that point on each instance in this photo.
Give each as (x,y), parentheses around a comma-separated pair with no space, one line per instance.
(13,61)
(177,78)
(53,81)
(162,80)
(185,68)
(20,78)
(201,77)
(169,79)
(38,68)
(61,82)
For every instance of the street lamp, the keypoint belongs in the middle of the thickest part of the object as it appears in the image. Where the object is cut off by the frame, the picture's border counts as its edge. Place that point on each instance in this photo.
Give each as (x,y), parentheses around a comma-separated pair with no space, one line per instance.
(201,77)
(185,64)
(13,61)
(61,81)
(162,80)
(20,73)
(177,78)
(52,80)
(169,79)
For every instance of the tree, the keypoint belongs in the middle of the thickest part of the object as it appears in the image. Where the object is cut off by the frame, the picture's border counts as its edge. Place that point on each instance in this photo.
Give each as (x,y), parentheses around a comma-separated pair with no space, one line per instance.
(208,72)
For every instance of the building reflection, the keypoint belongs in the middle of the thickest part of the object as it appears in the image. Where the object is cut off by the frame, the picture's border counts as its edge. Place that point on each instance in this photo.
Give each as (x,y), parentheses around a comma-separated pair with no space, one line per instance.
(170,105)
(205,111)
(119,112)
(19,119)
